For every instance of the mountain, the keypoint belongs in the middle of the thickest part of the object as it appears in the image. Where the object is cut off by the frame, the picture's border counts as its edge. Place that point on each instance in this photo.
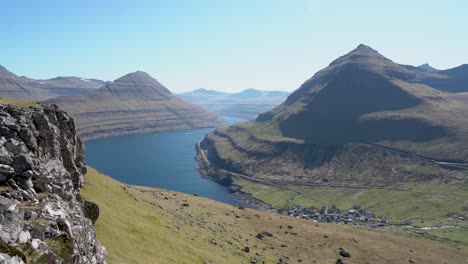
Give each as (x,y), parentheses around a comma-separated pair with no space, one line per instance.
(23,88)
(43,216)
(246,104)
(202,92)
(363,124)
(134,103)
(451,80)
(427,67)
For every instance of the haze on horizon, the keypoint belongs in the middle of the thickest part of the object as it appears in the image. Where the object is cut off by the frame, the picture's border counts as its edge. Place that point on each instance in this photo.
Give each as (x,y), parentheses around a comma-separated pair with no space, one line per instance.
(221,45)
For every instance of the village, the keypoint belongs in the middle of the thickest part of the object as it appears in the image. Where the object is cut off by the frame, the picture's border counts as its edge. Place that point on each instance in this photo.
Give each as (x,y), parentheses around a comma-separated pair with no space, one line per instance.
(355,215)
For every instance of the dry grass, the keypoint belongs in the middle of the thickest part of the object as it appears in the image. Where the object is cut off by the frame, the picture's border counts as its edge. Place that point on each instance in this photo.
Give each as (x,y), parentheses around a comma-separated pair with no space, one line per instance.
(20,103)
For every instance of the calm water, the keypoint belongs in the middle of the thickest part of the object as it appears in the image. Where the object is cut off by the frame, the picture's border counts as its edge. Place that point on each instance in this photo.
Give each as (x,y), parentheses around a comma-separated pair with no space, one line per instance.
(161,159)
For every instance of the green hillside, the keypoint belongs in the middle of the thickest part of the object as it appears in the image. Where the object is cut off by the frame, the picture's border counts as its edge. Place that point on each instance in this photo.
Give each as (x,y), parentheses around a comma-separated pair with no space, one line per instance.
(364,131)
(147,225)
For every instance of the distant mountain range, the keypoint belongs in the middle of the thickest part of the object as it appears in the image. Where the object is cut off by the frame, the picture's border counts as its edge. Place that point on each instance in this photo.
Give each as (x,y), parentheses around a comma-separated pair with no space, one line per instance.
(24,88)
(428,67)
(134,103)
(245,104)
(364,122)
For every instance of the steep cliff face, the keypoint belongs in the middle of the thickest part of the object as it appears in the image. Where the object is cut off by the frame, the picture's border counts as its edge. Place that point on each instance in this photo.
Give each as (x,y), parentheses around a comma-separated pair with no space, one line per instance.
(42,214)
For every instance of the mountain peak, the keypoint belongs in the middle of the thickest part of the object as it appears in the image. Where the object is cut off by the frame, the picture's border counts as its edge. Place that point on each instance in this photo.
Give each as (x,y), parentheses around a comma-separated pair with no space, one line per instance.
(428,67)
(138,84)
(4,73)
(138,77)
(365,50)
(363,46)
(137,74)
(361,54)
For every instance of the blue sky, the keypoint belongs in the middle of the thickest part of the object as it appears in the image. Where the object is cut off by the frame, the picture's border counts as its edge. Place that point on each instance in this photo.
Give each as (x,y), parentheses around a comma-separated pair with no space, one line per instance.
(221,44)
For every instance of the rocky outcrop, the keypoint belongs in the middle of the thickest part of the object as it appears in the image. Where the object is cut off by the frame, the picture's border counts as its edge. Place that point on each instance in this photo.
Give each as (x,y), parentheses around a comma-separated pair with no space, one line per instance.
(42,214)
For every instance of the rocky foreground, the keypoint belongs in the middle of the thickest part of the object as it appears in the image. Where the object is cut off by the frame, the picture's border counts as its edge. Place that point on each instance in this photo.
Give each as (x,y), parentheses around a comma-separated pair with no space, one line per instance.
(43,217)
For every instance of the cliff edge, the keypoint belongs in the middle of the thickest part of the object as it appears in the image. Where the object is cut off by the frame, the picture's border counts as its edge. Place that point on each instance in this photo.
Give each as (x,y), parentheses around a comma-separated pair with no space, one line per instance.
(43,218)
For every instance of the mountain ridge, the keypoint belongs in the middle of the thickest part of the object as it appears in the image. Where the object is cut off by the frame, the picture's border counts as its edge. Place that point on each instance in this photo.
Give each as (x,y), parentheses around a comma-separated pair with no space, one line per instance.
(133,103)
(246,104)
(24,88)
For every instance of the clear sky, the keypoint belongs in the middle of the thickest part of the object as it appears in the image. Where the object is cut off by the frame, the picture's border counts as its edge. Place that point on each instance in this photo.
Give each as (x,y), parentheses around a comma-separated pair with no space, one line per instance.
(222,44)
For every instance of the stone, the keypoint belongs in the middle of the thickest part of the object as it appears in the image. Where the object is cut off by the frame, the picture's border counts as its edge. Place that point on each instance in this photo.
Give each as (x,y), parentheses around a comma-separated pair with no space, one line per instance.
(7,170)
(3,178)
(6,259)
(40,152)
(91,211)
(24,237)
(345,253)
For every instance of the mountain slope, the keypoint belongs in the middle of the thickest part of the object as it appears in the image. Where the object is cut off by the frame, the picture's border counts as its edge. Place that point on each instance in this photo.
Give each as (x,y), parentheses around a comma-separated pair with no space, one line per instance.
(134,103)
(150,225)
(246,104)
(23,88)
(451,80)
(364,122)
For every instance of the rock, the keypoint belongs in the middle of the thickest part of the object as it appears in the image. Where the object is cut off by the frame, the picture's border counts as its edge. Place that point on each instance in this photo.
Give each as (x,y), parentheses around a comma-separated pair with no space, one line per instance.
(340,261)
(30,215)
(6,259)
(345,253)
(7,170)
(263,234)
(24,237)
(41,153)
(91,211)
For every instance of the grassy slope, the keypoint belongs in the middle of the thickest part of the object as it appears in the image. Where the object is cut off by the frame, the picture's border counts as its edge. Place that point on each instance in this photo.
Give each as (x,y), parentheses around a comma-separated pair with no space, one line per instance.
(146,225)
(20,103)
(395,205)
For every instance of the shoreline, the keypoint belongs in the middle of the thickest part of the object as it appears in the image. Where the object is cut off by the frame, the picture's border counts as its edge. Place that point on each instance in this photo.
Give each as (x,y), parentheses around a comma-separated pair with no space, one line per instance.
(203,165)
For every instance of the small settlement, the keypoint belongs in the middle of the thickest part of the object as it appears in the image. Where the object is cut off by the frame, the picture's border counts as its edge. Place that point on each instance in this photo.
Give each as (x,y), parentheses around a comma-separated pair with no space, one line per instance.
(335,215)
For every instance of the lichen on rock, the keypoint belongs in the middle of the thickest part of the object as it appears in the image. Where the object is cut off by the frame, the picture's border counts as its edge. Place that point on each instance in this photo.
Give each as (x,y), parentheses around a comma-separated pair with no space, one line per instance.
(42,214)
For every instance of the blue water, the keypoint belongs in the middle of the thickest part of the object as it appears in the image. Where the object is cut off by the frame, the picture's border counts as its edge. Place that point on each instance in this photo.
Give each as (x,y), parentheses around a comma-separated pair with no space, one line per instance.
(161,159)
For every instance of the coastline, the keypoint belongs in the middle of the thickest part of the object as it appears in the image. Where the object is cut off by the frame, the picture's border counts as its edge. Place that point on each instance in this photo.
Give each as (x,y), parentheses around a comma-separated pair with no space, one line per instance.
(204,166)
